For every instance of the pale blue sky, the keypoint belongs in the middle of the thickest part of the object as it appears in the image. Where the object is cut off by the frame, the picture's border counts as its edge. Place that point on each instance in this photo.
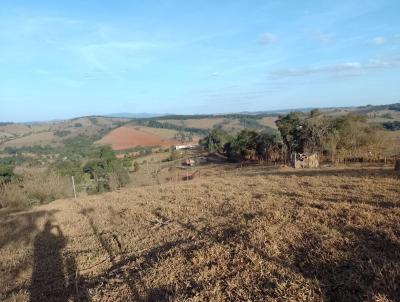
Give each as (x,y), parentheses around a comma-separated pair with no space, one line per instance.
(68,58)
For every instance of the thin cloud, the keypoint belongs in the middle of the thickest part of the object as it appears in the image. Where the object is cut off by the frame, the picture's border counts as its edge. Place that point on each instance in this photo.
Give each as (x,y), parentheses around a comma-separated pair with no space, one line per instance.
(378,40)
(114,57)
(324,38)
(347,68)
(267,38)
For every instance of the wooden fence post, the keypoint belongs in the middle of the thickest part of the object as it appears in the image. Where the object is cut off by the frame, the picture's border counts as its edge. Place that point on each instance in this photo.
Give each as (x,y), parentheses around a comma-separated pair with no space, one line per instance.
(73,186)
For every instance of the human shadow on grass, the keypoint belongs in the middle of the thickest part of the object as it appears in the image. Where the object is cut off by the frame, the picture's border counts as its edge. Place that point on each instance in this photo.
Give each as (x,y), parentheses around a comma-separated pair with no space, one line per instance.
(18,228)
(53,279)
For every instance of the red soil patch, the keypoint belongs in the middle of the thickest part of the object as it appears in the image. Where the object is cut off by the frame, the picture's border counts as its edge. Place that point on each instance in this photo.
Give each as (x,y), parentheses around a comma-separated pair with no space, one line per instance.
(126,137)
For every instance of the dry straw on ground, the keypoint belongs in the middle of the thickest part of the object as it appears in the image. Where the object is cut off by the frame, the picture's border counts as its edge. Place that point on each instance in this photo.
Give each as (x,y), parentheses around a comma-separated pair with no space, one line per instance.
(323,235)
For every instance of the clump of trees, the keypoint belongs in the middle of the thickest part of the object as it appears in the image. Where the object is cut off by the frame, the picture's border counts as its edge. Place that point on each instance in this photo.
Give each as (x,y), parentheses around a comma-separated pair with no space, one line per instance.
(245,145)
(100,171)
(338,138)
(216,140)
(392,126)
(164,125)
(183,137)
(107,171)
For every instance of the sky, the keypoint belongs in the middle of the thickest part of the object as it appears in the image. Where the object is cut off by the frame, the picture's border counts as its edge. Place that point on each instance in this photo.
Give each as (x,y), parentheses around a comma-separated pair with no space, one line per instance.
(68,58)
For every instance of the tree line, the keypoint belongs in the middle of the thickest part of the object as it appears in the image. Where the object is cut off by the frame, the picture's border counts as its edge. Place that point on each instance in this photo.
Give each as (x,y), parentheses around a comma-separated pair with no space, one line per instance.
(337,138)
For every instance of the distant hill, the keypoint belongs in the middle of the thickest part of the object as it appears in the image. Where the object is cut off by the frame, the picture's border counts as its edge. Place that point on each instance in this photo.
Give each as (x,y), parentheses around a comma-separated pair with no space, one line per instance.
(167,126)
(357,109)
(135,115)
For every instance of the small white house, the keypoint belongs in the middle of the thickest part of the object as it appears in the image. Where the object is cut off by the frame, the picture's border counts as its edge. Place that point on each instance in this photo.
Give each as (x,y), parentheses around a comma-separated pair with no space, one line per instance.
(184,147)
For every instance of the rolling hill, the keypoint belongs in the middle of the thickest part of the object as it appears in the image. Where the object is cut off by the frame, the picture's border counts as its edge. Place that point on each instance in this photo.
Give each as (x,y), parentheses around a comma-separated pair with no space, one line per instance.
(166,127)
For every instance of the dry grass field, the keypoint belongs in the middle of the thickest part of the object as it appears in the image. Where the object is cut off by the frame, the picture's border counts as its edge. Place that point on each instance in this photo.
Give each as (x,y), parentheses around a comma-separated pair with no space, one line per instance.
(276,235)
(269,121)
(40,138)
(391,143)
(48,133)
(201,123)
(168,134)
(228,124)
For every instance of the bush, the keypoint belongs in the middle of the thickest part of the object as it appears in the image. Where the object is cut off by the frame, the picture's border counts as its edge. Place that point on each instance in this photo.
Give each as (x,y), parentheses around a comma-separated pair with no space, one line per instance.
(35,188)
(62,133)
(6,174)
(395,107)
(392,126)
(12,195)
(174,154)
(46,187)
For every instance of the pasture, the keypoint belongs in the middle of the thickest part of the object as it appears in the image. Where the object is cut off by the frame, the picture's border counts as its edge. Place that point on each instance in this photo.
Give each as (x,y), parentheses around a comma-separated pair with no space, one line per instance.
(251,234)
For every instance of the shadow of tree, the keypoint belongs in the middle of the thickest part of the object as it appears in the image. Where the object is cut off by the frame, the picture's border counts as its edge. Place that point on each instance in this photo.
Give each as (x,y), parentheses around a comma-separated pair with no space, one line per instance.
(370,266)
(15,225)
(340,172)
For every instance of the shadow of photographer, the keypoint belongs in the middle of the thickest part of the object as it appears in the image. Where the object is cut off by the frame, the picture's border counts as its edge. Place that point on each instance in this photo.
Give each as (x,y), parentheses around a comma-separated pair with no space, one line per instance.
(53,279)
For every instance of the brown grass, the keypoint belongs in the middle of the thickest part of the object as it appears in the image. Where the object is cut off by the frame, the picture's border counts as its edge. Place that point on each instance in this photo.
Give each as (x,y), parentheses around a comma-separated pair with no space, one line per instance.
(42,138)
(201,123)
(269,121)
(278,235)
(35,188)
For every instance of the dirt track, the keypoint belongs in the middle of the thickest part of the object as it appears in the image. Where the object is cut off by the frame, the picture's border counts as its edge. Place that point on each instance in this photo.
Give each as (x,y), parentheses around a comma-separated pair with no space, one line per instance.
(327,235)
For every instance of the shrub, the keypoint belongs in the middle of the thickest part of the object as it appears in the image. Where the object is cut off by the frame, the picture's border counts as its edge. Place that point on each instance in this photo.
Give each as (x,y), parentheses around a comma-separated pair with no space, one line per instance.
(392,126)
(45,187)
(35,188)
(12,195)
(174,154)
(62,133)
(6,174)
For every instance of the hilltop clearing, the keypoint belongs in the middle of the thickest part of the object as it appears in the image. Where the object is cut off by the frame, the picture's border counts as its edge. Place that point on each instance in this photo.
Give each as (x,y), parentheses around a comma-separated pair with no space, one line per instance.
(278,235)
(131,137)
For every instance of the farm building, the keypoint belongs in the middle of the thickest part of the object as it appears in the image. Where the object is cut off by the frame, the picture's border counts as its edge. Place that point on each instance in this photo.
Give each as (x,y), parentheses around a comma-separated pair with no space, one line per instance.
(183,147)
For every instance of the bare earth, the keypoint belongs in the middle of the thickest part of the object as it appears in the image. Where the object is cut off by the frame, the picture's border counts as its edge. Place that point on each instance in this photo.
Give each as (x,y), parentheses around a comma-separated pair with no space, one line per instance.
(278,235)
(129,137)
